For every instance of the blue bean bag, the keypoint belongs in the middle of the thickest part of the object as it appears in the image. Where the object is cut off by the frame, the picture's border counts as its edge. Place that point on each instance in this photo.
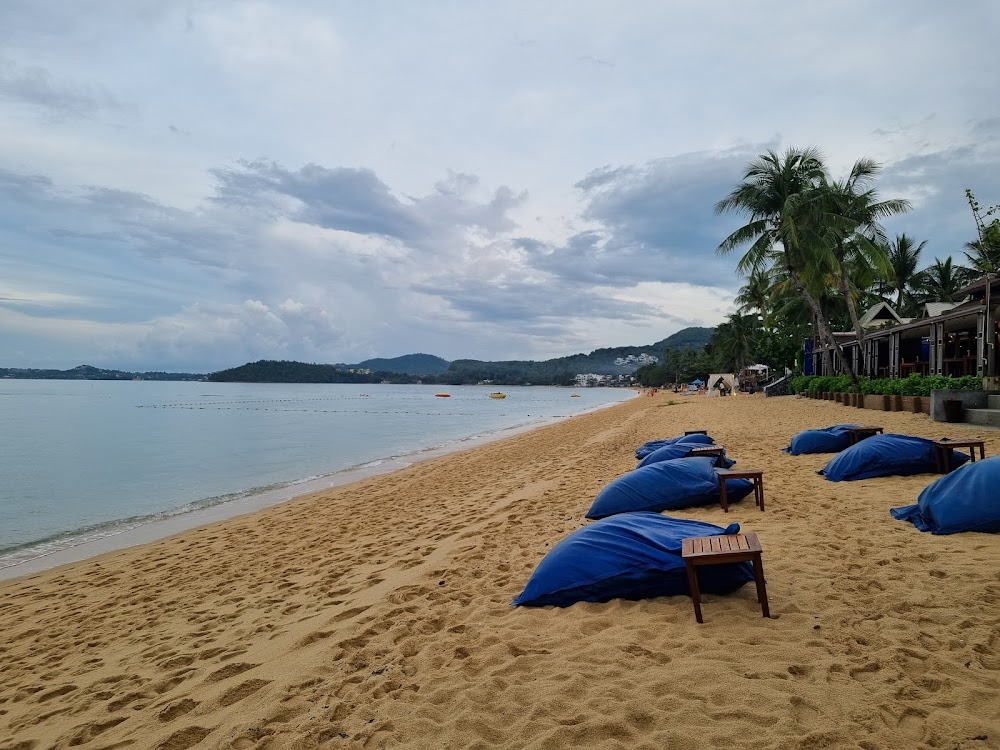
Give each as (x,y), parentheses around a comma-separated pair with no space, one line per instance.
(886,455)
(629,556)
(832,439)
(679,450)
(964,500)
(646,448)
(667,485)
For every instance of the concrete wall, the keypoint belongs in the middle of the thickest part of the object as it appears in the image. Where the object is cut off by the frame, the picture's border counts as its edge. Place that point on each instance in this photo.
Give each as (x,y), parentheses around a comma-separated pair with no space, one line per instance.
(969,399)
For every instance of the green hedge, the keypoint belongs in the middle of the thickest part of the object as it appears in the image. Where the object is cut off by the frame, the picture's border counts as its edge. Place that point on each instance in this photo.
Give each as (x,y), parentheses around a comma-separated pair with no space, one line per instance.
(913,385)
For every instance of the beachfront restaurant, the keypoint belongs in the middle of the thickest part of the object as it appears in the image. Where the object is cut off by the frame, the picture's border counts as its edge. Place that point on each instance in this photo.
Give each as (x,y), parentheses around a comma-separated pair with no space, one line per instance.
(954,339)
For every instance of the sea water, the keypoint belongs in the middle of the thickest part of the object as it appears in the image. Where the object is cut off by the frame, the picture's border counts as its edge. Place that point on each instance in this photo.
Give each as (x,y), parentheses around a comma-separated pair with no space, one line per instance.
(82,461)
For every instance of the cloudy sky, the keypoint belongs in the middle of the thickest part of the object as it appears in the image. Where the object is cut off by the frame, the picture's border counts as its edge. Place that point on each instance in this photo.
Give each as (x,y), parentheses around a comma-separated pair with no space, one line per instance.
(193,185)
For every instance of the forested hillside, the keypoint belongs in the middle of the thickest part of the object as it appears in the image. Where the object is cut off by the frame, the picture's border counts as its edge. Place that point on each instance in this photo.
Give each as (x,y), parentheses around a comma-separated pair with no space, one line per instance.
(408,364)
(427,368)
(87,372)
(272,371)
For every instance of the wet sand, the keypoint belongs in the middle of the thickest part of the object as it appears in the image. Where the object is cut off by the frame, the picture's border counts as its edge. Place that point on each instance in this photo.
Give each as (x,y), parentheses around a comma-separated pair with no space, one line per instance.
(378,614)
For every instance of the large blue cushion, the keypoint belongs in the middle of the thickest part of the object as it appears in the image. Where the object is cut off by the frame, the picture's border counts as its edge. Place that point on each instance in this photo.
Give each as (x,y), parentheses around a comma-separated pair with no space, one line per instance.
(667,485)
(831,439)
(646,448)
(679,450)
(964,500)
(629,556)
(886,455)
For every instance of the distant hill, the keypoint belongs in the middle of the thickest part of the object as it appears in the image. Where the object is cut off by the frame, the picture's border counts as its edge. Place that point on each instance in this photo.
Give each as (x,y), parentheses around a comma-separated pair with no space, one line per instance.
(408,364)
(87,372)
(282,371)
(621,360)
(410,368)
(686,338)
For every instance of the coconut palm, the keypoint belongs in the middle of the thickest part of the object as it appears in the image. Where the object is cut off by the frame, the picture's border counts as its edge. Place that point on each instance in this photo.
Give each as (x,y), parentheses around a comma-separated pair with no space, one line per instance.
(778,194)
(984,254)
(734,342)
(985,249)
(849,212)
(754,297)
(941,281)
(904,257)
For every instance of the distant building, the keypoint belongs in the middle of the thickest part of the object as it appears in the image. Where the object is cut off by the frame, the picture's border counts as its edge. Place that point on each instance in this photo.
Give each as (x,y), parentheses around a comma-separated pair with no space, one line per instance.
(591,379)
(947,338)
(637,359)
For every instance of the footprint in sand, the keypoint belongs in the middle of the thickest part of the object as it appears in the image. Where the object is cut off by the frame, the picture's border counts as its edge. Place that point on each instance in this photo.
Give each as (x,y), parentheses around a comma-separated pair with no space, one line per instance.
(179,708)
(184,738)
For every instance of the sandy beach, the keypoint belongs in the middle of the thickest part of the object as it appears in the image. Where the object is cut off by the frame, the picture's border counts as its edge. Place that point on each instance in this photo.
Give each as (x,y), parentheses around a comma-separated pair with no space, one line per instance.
(378,614)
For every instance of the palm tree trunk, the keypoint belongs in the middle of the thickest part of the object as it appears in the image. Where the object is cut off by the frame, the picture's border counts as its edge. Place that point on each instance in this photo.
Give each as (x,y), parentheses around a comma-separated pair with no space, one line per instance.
(823,324)
(852,310)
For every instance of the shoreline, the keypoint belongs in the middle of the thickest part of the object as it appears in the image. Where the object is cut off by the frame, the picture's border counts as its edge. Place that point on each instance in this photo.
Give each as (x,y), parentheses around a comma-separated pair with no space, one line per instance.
(378,614)
(162,527)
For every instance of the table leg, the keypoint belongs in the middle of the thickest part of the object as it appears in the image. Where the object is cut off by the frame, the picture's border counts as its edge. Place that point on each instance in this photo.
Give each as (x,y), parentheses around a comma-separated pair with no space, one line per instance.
(758,575)
(695,592)
(760,486)
(723,497)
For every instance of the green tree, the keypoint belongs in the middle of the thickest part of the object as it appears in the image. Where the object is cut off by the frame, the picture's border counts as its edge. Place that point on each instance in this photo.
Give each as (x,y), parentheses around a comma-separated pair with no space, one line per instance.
(779,194)
(755,295)
(985,249)
(941,281)
(904,257)
(849,212)
(735,342)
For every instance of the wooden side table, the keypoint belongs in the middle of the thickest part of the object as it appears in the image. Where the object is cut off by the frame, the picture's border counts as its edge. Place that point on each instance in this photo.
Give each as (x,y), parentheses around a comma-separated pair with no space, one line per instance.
(709,450)
(718,550)
(754,475)
(944,446)
(857,434)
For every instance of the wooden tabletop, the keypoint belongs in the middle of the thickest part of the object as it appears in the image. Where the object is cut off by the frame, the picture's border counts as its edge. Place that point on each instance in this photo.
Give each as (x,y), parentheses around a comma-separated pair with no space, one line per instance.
(740,473)
(720,545)
(958,443)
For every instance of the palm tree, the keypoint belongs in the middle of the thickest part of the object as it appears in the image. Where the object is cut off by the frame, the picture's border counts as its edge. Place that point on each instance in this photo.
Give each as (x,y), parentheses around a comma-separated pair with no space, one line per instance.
(943,280)
(903,257)
(778,193)
(734,342)
(849,212)
(985,248)
(754,297)
(983,254)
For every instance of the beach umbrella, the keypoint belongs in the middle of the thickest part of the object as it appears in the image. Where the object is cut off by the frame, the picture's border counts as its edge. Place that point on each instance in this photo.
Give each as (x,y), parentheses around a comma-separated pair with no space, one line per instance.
(697,381)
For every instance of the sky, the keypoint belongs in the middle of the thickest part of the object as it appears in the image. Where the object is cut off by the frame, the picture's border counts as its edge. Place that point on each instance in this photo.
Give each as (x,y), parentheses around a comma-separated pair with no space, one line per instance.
(189,186)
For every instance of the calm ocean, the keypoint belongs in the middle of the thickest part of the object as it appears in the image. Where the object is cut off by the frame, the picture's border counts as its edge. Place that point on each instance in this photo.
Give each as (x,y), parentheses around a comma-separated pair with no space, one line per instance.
(85,461)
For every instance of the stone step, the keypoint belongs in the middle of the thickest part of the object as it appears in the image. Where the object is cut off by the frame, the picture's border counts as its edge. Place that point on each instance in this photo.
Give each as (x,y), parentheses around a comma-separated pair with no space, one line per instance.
(993,402)
(985,417)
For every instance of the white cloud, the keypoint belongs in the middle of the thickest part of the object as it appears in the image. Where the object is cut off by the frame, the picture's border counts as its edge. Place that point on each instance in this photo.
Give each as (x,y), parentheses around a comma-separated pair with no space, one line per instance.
(209,183)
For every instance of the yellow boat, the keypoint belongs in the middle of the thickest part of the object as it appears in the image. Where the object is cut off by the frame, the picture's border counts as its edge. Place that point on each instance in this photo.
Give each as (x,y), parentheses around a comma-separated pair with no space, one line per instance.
(443,395)
(498,394)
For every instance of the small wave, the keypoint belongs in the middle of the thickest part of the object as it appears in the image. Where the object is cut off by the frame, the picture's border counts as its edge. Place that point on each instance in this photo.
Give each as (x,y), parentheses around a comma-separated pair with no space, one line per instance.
(273,494)
(17,554)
